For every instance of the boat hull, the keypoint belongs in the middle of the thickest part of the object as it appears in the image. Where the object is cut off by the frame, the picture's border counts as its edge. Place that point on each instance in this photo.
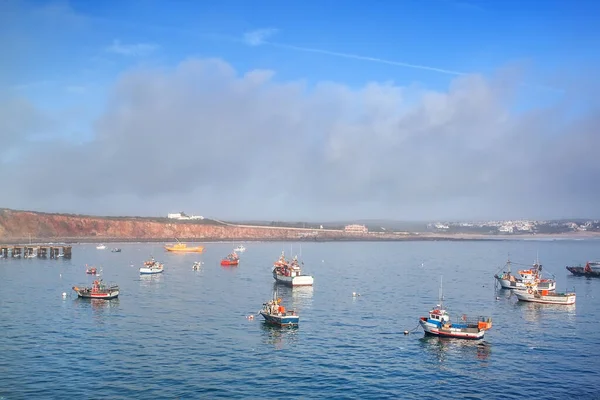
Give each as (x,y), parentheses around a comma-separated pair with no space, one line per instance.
(453,332)
(281,320)
(563,298)
(580,271)
(107,295)
(151,271)
(185,250)
(300,280)
(230,263)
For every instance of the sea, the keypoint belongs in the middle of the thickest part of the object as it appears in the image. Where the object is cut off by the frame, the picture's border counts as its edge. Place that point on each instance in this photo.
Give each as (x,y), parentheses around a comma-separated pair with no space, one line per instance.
(188,334)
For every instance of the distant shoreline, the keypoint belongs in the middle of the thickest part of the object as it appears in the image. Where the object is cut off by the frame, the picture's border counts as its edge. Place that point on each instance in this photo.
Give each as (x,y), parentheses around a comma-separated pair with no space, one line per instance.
(425,237)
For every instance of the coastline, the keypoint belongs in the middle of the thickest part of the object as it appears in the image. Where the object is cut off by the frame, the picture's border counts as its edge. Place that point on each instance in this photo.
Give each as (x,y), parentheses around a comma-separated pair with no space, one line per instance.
(420,237)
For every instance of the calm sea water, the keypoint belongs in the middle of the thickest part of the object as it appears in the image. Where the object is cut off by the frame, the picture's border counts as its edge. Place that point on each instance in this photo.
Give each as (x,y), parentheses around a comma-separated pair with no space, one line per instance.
(185,333)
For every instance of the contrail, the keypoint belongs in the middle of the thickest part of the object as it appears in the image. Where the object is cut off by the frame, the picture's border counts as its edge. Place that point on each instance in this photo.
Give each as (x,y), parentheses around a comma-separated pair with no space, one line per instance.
(364,58)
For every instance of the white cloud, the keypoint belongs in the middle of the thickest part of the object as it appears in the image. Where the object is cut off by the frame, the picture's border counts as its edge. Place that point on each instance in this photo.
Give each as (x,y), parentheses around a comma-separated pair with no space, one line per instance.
(208,139)
(258,37)
(137,49)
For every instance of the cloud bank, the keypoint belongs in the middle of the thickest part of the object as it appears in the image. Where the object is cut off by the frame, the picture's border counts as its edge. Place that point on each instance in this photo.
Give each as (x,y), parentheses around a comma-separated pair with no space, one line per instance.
(206,139)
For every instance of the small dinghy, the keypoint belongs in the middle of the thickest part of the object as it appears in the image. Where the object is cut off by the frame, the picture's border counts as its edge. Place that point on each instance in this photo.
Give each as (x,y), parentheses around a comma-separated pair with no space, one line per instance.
(232,259)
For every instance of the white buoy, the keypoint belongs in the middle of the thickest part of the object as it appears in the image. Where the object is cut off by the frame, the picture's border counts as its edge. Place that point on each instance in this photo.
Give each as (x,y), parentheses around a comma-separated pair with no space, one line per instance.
(64,294)
(353,294)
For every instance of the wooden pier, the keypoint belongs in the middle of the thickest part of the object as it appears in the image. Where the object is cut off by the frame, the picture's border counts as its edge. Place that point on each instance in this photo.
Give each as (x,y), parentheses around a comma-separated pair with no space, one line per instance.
(34,251)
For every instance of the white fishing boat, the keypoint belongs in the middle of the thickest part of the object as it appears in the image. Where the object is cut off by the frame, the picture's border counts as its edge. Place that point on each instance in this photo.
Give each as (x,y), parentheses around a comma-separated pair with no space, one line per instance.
(290,272)
(152,267)
(438,323)
(240,249)
(101,247)
(536,295)
(524,278)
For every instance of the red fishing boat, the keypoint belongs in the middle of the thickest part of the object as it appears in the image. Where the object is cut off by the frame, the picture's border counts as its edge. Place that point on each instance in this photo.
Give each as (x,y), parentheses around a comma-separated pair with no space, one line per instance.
(232,259)
(91,271)
(99,290)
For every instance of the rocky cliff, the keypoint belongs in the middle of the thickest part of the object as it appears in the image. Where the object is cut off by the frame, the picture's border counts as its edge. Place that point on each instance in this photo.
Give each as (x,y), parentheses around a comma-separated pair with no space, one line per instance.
(18,226)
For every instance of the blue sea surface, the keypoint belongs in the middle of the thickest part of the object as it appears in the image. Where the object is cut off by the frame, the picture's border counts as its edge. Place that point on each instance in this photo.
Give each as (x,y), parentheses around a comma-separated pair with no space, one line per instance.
(186,334)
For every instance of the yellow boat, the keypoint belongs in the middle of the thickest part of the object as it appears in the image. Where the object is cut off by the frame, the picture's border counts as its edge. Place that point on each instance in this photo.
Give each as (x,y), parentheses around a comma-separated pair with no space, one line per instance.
(182,248)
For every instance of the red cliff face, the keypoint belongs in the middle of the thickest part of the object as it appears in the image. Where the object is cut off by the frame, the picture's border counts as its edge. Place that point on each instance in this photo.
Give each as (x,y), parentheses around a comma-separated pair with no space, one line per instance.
(20,225)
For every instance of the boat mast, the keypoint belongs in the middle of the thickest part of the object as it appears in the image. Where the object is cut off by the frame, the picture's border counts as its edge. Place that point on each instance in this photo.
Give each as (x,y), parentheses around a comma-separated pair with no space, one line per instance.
(441,296)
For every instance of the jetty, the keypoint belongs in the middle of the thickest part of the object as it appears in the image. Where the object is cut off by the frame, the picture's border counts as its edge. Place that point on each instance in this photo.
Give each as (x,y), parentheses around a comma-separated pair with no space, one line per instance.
(35,251)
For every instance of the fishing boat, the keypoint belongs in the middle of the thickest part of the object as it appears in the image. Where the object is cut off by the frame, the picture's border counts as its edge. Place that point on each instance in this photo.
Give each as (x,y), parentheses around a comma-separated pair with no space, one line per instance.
(290,273)
(116,250)
(591,269)
(183,248)
(231,259)
(196,265)
(438,323)
(152,267)
(275,314)
(525,278)
(101,247)
(91,271)
(534,294)
(98,290)
(240,249)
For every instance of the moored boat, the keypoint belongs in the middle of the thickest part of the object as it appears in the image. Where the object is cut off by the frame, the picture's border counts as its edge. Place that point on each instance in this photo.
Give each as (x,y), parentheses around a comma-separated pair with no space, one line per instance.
(536,295)
(116,250)
(525,278)
(98,290)
(438,324)
(183,248)
(240,249)
(91,271)
(101,247)
(152,267)
(231,259)
(276,314)
(197,265)
(290,273)
(591,269)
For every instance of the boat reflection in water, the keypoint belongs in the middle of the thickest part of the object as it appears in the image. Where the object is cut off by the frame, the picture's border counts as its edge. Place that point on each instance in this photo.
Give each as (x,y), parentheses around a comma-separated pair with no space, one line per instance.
(151,280)
(299,297)
(444,348)
(279,337)
(536,312)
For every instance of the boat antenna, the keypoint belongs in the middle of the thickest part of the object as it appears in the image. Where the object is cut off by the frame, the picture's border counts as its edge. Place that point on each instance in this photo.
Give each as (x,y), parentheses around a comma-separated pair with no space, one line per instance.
(441,292)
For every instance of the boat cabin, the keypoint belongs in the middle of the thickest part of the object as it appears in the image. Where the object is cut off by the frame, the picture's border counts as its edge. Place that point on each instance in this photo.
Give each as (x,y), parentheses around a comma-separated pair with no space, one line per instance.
(440,316)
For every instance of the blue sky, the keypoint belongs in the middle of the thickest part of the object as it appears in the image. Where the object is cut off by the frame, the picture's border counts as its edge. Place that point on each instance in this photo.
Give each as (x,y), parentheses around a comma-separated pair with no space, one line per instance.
(67,57)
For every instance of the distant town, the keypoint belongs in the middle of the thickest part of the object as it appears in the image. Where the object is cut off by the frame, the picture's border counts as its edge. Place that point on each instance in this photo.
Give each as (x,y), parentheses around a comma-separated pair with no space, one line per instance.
(517,227)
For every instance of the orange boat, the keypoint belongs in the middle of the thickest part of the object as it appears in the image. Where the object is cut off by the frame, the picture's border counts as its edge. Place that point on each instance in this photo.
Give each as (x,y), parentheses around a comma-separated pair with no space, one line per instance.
(182,248)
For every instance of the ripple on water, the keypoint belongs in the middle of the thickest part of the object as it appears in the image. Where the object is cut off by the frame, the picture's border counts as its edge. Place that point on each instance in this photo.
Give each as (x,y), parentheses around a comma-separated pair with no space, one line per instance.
(184,334)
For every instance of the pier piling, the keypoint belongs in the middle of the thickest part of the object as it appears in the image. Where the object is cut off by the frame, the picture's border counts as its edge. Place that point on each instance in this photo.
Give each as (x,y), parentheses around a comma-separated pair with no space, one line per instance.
(35,251)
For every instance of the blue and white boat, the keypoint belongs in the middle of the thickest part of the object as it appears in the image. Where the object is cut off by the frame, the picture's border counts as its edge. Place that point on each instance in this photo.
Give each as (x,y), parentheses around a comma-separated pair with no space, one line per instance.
(276,314)
(438,324)
(152,267)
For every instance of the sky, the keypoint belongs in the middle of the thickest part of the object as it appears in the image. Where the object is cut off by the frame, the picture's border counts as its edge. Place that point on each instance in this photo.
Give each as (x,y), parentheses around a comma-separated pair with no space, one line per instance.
(301,110)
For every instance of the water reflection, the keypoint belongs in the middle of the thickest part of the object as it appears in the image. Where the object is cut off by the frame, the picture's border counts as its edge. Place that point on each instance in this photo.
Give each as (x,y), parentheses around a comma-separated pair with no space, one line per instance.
(299,297)
(277,336)
(534,312)
(443,348)
(96,304)
(151,280)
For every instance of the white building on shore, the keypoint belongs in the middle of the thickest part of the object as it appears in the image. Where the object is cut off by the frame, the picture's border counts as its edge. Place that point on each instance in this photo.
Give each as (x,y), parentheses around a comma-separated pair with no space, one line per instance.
(183,216)
(354,228)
